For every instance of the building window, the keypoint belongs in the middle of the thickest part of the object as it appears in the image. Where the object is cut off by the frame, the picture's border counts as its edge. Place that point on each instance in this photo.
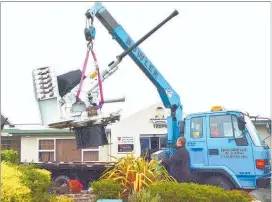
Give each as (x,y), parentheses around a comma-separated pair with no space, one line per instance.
(90,154)
(46,150)
(196,127)
(5,144)
(221,126)
(163,141)
(152,143)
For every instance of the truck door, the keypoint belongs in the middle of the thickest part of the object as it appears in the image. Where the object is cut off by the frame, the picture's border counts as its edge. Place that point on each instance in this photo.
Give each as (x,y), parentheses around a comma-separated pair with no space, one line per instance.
(228,147)
(196,141)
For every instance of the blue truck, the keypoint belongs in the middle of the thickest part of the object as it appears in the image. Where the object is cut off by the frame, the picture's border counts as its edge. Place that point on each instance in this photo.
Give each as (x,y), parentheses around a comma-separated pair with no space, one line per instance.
(226,150)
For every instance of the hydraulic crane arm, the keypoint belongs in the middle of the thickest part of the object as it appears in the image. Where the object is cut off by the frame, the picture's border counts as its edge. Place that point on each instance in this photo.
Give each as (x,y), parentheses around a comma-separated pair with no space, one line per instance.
(169,97)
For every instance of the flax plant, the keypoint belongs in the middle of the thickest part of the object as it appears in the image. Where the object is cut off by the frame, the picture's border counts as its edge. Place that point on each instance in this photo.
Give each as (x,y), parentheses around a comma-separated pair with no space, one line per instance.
(134,174)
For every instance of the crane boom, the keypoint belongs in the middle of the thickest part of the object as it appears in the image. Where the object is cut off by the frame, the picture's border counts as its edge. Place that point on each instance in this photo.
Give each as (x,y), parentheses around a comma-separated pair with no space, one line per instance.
(168,95)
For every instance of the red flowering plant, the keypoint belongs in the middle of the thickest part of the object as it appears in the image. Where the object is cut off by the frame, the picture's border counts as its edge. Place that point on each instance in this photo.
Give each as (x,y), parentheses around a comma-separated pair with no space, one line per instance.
(75,186)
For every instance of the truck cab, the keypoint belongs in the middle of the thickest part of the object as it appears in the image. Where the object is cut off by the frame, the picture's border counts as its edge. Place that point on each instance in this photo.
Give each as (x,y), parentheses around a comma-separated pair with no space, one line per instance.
(226,150)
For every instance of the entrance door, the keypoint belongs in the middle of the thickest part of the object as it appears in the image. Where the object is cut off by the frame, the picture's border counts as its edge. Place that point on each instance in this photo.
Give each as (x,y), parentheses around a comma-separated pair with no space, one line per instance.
(229,148)
(66,151)
(144,141)
(154,143)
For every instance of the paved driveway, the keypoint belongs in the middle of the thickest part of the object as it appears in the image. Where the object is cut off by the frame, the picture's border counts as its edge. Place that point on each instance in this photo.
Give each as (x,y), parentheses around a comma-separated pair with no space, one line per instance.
(263,195)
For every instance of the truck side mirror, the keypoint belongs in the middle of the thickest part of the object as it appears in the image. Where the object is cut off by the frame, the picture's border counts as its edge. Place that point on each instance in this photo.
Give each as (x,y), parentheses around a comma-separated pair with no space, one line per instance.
(181,127)
(241,123)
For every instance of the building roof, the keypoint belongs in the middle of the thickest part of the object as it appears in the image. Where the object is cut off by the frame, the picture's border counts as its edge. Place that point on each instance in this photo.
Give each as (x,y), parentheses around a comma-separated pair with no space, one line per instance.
(3,118)
(259,122)
(151,109)
(35,129)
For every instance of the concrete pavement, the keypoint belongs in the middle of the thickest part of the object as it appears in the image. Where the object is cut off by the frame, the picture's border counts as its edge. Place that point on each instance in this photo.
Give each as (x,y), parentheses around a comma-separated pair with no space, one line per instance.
(263,195)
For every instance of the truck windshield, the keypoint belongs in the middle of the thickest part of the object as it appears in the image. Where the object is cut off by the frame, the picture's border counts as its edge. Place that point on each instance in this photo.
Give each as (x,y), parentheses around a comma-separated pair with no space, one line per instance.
(253,132)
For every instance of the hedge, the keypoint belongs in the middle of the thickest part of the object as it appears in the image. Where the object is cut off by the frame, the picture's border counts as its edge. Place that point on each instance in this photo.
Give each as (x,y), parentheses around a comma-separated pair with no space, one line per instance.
(12,189)
(106,189)
(24,183)
(190,192)
(37,180)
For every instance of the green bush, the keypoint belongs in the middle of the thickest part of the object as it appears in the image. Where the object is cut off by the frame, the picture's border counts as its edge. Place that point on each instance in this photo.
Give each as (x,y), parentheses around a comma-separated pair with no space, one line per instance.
(12,189)
(10,156)
(37,180)
(106,189)
(143,196)
(167,190)
(237,196)
(189,192)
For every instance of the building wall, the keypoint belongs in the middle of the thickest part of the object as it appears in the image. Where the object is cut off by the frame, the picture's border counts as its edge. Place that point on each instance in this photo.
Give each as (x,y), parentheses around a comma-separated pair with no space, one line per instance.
(134,126)
(30,149)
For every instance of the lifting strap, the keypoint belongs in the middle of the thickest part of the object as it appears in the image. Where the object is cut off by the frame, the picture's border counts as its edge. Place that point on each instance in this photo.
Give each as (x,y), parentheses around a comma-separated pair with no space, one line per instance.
(82,74)
(98,75)
(99,81)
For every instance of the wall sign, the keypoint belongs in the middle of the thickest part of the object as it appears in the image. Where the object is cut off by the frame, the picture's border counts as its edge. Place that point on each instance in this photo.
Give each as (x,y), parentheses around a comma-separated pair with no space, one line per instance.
(159,124)
(127,148)
(159,121)
(125,144)
(125,140)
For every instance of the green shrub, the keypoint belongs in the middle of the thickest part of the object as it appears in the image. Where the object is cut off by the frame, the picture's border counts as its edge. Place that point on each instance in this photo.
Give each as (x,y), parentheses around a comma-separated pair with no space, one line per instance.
(189,192)
(12,189)
(166,190)
(106,189)
(143,196)
(37,180)
(10,156)
(237,196)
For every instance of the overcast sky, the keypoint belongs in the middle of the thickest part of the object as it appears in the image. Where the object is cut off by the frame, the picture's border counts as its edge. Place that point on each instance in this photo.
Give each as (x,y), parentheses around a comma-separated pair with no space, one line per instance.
(211,53)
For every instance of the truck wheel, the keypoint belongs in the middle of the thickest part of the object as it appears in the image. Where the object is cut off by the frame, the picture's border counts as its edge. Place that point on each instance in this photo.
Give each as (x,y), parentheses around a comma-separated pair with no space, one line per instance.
(219,182)
(61,180)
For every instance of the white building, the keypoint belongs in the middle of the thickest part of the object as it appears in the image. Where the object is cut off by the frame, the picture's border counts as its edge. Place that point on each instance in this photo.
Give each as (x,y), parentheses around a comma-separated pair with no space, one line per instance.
(139,132)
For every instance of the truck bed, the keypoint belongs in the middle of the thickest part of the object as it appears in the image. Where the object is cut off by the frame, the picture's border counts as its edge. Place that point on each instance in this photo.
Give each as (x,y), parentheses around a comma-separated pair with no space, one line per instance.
(84,166)
(86,172)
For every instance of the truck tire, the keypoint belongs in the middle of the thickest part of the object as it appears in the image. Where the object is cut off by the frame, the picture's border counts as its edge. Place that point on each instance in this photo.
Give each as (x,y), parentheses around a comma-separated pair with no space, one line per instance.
(60,180)
(219,182)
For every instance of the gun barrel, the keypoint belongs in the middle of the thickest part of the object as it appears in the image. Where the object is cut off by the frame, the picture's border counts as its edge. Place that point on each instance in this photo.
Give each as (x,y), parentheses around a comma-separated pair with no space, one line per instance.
(126,52)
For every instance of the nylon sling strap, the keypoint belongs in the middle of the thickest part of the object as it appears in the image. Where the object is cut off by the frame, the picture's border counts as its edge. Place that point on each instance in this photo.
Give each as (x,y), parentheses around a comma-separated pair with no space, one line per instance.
(99,82)
(98,74)
(82,74)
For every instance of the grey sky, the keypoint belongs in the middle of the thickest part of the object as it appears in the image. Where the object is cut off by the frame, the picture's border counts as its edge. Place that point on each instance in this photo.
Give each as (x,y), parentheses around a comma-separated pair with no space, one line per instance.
(211,53)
